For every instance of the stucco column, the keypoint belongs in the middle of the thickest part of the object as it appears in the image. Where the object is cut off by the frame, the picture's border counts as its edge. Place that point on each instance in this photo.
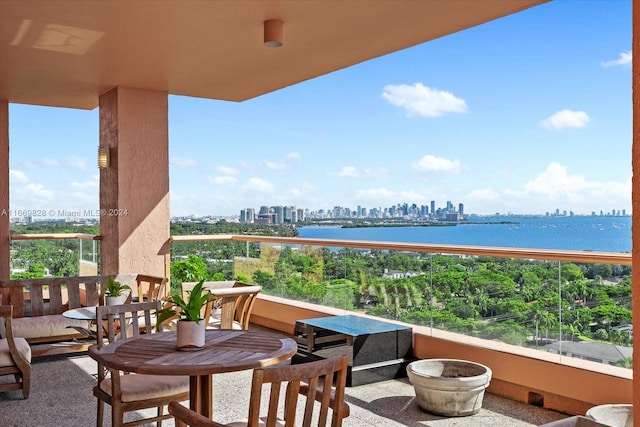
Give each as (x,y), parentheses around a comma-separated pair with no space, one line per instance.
(134,189)
(635,206)
(4,190)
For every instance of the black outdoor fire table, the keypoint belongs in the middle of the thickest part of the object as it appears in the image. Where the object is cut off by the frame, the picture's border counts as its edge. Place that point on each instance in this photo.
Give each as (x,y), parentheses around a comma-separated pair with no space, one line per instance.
(377,350)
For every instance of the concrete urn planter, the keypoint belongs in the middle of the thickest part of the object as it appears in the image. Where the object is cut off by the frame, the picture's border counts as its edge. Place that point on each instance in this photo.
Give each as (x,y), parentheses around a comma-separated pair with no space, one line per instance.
(615,415)
(449,387)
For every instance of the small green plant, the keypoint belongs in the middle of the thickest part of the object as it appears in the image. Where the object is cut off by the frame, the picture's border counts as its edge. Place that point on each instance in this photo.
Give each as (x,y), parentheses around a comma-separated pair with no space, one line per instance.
(115,288)
(188,309)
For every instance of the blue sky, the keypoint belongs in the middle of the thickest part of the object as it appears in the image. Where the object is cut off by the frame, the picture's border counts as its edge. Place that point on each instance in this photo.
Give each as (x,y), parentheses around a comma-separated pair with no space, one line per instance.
(524,114)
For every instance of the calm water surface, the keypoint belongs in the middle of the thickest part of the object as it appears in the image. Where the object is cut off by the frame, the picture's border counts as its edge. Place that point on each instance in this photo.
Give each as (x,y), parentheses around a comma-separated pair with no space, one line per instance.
(608,234)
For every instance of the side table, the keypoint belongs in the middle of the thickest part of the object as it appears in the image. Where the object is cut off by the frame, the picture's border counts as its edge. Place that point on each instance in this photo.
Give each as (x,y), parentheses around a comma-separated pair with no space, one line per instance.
(83,313)
(377,350)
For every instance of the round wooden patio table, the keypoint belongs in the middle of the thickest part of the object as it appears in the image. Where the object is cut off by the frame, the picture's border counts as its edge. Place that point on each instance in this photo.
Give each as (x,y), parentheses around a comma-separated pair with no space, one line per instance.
(224,351)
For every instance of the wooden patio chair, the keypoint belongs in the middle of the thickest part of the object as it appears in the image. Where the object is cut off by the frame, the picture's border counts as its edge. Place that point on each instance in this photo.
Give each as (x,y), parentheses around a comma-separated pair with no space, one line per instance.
(230,304)
(322,382)
(130,392)
(15,356)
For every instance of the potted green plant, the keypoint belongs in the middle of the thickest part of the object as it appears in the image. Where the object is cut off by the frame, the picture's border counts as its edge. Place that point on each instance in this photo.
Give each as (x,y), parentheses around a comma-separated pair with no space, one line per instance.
(191,325)
(113,294)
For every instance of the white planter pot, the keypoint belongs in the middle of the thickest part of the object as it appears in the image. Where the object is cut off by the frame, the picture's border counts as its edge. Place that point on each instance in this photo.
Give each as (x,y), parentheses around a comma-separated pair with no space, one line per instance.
(109,300)
(190,334)
(449,387)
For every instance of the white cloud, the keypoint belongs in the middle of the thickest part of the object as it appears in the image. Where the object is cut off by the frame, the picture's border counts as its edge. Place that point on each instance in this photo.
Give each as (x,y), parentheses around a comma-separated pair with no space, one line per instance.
(555,181)
(69,161)
(422,101)
(436,164)
(354,172)
(259,185)
(412,195)
(92,184)
(566,119)
(624,59)
(39,191)
(183,162)
(483,194)
(51,162)
(223,180)
(16,176)
(303,190)
(227,170)
(76,162)
(283,163)
(346,171)
(377,195)
(83,194)
(553,188)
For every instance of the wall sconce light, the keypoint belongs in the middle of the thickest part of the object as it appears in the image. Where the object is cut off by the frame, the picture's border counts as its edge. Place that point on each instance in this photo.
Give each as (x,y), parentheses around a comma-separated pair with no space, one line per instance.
(104,157)
(273,33)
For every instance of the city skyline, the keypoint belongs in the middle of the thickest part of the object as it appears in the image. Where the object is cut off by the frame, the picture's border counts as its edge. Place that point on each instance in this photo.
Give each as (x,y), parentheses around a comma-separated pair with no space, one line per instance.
(522,114)
(280,214)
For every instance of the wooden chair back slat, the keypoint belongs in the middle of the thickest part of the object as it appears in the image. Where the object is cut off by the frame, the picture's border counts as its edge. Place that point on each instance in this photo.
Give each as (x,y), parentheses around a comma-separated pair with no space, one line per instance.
(73,295)
(91,293)
(56,299)
(36,301)
(16,299)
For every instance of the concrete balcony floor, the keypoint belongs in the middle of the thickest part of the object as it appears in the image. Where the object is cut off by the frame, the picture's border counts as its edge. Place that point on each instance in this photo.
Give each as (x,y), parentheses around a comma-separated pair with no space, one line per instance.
(61,396)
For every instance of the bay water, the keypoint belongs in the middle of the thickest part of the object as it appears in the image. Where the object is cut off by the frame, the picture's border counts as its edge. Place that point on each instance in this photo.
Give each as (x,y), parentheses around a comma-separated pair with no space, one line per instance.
(589,233)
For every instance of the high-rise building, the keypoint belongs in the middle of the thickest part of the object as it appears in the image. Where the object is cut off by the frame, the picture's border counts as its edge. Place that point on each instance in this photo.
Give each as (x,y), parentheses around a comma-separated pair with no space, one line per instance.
(287,214)
(248,216)
(278,212)
(433,208)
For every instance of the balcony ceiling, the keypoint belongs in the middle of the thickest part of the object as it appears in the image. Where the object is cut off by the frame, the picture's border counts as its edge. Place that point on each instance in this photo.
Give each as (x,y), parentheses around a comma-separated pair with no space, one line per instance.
(66,53)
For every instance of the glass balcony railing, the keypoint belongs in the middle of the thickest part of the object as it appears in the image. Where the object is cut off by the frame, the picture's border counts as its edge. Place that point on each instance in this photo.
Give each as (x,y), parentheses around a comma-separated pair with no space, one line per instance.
(565,303)
(58,255)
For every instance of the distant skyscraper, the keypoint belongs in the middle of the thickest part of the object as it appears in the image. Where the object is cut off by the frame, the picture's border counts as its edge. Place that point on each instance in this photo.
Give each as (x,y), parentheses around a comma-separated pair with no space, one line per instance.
(247,216)
(461,210)
(278,212)
(288,213)
(433,207)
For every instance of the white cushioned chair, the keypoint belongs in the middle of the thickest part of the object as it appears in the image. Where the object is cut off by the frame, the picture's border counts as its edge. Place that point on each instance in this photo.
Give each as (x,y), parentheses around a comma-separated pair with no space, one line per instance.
(130,392)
